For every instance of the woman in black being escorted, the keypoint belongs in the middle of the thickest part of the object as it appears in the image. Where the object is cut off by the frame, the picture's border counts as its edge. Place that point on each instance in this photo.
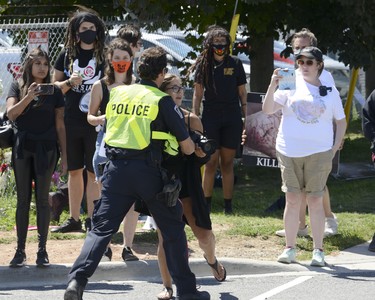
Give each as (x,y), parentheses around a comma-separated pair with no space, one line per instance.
(39,119)
(221,78)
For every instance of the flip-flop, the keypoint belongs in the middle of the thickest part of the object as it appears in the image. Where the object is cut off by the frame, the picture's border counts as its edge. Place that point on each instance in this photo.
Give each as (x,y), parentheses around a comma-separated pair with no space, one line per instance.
(165,294)
(215,267)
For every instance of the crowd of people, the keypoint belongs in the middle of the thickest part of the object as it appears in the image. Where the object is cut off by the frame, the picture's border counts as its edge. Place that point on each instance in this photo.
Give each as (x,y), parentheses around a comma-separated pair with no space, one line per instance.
(115,124)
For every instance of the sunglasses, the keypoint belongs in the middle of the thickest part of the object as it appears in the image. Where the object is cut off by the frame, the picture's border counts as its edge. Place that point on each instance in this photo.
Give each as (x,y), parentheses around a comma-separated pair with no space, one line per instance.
(176,89)
(308,62)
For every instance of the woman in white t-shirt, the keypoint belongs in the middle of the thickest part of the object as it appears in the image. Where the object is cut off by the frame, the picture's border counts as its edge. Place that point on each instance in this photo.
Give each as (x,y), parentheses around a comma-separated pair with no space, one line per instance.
(305,145)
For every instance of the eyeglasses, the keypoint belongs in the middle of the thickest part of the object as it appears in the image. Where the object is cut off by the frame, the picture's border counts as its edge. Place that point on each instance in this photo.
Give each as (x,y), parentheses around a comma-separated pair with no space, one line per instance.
(176,89)
(165,70)
(308,62)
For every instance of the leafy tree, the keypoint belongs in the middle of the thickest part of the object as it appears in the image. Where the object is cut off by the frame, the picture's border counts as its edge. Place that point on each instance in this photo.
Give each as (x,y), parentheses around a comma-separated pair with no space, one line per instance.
(342,26)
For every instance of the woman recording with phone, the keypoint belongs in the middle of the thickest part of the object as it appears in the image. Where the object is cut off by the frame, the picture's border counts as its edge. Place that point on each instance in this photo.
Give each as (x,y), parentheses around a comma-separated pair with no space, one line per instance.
(37,111)
(305,145)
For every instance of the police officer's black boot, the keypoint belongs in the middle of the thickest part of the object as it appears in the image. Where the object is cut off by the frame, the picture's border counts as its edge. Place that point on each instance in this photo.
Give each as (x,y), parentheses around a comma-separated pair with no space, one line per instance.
(74,291)
(371,247)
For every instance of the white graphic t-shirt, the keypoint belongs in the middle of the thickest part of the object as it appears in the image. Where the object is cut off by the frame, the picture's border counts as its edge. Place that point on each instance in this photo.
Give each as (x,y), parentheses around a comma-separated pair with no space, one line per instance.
(307,118)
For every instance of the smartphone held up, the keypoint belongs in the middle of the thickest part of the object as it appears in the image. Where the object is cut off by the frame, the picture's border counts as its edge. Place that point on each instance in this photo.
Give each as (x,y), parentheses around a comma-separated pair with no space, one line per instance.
(45,89)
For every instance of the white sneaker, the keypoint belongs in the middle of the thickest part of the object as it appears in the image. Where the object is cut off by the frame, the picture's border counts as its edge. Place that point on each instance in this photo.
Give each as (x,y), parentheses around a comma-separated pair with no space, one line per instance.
(288,256)
(300,233)
(331,226)
(318,258)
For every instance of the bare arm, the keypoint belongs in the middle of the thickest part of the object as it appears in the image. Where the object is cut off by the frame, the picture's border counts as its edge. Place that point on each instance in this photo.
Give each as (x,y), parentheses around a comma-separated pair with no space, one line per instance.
(60,128)
(187,146)
(15,107)
(65,84)
(269,105)
(339,134)
(197,98)
(95,100)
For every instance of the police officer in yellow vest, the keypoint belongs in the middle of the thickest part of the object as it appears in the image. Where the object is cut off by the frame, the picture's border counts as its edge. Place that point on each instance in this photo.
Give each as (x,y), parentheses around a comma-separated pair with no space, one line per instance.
(139,120)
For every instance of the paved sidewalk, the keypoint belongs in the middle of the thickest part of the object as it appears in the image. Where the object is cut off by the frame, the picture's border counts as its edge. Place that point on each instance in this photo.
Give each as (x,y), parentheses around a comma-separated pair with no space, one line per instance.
(354,259)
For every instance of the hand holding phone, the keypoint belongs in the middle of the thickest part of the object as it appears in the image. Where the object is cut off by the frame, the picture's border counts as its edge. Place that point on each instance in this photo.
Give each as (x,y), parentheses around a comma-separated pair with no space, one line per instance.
(288,80)
(45,89)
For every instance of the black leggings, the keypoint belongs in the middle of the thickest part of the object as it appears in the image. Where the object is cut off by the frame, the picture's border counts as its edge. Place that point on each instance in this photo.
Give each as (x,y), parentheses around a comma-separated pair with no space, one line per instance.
(25,171)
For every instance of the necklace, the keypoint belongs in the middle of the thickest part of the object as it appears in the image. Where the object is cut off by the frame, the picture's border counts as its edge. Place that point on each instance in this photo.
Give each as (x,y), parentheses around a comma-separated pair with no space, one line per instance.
(216,65)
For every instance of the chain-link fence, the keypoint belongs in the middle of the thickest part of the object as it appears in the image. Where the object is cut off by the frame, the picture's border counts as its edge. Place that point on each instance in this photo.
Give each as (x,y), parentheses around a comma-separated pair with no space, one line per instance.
(17,37)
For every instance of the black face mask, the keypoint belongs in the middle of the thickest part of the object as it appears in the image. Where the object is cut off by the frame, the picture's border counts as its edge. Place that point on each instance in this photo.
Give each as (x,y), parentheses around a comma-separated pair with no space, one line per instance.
(88,36)
(219,49)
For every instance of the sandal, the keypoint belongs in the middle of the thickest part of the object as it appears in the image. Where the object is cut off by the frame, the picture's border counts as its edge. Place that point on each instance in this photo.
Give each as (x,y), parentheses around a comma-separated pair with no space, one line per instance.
(215,267)
(165,294)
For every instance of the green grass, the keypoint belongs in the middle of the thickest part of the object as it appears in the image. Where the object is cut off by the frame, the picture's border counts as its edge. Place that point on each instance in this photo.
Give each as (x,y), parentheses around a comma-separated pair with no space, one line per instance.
(257,188)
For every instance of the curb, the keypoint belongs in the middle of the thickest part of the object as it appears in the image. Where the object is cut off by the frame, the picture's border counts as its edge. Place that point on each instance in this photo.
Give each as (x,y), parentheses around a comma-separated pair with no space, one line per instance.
(354,259)
(142,270)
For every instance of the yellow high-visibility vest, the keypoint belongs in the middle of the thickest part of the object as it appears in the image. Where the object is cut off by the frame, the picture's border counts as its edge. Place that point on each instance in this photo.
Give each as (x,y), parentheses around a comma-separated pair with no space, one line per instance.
(129,113)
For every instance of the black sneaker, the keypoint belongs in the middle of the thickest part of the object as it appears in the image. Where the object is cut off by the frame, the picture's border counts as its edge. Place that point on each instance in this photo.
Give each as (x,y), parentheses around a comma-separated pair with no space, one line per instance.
(68,226)
(127,254)
(371,247)
(107,256)
(203,295)
(42,260)
(88,225)
(19,259)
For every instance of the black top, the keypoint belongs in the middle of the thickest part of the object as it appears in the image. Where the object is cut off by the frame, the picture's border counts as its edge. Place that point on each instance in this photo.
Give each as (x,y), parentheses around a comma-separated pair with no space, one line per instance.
(87,67)
(36,126)
(105,98)
(228,75)
(369,119)
(39,117)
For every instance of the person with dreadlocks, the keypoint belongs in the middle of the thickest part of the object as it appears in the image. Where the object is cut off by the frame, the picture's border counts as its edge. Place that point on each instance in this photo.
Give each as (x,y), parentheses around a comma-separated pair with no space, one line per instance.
(221,78)
(78,66)
(39,119)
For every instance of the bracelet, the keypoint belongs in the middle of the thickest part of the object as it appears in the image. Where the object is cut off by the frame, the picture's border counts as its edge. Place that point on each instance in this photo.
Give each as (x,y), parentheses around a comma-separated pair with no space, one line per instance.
(68,83)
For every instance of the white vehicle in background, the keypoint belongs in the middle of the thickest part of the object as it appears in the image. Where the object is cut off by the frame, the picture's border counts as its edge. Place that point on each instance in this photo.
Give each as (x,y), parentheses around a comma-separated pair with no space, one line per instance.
(10,63)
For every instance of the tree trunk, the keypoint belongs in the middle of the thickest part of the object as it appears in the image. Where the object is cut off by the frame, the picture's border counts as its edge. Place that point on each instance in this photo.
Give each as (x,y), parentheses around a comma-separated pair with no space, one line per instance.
(370,80)
(261,64)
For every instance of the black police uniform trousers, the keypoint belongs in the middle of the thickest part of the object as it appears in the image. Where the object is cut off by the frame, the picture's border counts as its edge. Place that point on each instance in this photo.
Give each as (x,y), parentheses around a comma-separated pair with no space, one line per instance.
(124,181)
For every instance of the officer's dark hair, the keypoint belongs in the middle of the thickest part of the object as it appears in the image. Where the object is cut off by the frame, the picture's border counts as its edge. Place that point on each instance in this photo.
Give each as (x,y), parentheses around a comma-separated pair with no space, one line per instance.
(130,33)
(151,63)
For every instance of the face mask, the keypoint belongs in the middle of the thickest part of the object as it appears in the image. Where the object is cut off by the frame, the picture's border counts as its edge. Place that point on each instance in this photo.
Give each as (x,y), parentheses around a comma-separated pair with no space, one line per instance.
(88,36)
(121,66)
(219,49)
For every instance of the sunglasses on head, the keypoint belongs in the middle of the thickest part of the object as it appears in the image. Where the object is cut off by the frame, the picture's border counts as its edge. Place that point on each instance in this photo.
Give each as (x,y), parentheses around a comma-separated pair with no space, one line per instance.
(308,62)
(176,89)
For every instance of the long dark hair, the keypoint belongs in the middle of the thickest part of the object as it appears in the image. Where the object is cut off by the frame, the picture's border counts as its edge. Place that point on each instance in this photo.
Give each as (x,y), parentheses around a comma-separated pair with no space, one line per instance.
(121,44)
(204,64)
(27,77)
(71,41)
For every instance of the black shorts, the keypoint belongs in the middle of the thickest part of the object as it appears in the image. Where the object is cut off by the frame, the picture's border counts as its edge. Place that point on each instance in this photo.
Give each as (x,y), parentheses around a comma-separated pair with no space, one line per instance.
(224,126)
(80,147)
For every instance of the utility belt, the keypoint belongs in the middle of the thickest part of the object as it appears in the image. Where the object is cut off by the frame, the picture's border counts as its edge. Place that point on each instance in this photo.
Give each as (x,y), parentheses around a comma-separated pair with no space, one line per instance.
(124,154)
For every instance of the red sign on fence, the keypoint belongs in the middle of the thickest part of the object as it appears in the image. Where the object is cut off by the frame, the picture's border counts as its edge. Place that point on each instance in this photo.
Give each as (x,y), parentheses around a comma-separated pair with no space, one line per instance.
(38,38)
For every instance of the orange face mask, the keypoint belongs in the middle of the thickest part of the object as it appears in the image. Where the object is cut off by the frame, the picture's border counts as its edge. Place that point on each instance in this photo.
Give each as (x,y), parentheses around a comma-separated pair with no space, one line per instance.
(121,66)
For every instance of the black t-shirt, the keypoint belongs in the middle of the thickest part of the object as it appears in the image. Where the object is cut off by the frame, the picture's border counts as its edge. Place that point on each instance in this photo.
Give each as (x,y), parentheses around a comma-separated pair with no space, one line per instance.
(39,117)
(228,75)
(85,63)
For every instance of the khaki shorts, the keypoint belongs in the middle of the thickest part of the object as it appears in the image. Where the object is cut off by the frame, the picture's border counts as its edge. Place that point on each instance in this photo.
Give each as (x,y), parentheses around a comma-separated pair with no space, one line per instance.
(308,174)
